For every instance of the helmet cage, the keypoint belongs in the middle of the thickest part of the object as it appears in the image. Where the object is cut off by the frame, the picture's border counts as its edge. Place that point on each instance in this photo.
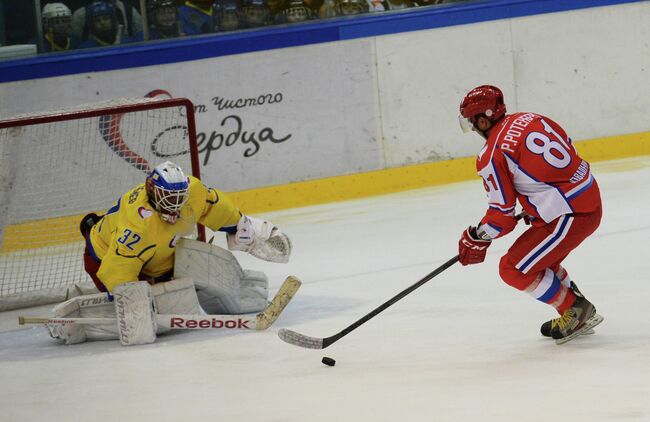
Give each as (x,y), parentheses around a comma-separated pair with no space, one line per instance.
(256,14)
(350,7)
(168,193)
(297,12)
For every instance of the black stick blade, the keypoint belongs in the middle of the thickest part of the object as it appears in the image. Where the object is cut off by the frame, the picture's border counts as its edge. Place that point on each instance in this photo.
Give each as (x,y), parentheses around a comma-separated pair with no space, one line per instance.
(300,340)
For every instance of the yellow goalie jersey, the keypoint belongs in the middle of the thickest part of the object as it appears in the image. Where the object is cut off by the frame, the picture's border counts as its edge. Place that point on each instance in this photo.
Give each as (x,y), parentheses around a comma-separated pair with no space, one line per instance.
(132,241)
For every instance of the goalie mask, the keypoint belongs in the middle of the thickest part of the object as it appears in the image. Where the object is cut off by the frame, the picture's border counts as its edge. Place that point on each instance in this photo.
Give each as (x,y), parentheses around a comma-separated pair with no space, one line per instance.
(168,190)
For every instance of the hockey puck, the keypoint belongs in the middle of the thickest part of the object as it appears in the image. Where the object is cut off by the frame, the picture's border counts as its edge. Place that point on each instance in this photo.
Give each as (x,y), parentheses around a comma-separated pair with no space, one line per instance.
(328,361)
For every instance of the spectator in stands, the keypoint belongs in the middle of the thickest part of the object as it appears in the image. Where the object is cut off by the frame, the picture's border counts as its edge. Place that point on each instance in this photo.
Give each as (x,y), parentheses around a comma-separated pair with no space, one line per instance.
(435,2)
(351,7)
(163,20)
(399,4)
(341,9)
(103,26)
(276,7)
(256,13)
(315,6)
(377,5)
(57,30)
(228,16)
(297,11)
(127,18)
(197,17)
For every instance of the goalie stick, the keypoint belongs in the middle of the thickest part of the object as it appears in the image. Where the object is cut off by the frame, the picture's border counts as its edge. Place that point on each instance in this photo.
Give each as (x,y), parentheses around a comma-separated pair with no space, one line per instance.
(261,321)
(302,340)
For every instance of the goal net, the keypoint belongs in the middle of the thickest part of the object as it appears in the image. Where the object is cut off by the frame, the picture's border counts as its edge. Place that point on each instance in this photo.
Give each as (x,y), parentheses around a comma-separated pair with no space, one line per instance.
(56,167)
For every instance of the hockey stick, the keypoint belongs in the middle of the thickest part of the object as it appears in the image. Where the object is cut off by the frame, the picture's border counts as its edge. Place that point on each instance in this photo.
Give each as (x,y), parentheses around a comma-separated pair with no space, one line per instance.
(302,340)
(261,321)
(24,320)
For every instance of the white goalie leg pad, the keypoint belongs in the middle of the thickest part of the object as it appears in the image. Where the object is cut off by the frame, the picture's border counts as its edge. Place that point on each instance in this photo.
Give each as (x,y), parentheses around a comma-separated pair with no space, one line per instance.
(69,333)
(176,297)
(253,291)
(136,319)
(172,297)
(261,239)
(222,286)
(87,306)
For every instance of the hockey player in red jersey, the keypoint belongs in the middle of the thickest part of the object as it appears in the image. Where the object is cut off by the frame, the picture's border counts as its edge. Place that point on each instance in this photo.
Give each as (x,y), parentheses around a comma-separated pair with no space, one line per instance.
(529,158)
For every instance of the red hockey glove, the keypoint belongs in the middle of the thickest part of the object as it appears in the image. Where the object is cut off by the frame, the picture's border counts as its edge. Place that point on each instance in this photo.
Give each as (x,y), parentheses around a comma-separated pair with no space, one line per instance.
(471,249)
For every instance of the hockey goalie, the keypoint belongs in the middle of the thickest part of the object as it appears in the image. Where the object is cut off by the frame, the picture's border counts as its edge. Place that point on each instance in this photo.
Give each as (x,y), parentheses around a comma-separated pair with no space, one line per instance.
(151,279)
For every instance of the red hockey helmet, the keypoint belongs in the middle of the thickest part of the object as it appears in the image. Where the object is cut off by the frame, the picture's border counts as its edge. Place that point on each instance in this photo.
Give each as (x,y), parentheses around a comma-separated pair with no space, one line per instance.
(484,100)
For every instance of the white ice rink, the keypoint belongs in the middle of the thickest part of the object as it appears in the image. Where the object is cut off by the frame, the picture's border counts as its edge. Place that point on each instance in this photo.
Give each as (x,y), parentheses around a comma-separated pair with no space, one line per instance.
(464,347)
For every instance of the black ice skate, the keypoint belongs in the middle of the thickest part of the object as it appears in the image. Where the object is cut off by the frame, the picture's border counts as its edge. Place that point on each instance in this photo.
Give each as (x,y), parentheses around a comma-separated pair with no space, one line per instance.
(576,320)
(548,326)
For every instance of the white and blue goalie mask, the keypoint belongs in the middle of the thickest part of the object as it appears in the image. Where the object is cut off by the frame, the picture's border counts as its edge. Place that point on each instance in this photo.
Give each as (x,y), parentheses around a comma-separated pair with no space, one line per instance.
(168,190)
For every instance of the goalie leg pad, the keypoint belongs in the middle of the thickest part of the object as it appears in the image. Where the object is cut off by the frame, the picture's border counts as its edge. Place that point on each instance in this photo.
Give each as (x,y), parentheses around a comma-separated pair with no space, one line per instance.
(69,333)
(136,320)
(176,297)
(253,292)
(87,306)
(222,286)
(172,297)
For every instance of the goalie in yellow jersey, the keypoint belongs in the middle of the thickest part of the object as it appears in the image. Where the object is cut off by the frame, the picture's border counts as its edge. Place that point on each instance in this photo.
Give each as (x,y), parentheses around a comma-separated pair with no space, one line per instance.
(134,245)
(136,238)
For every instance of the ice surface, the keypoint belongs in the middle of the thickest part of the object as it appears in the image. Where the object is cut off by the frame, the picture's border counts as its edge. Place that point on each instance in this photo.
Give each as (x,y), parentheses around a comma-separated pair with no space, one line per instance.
(464,347)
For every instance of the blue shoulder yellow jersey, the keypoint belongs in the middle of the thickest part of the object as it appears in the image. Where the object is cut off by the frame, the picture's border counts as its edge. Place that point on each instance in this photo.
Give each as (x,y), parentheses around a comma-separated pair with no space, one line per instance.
(131,239)
(195,20)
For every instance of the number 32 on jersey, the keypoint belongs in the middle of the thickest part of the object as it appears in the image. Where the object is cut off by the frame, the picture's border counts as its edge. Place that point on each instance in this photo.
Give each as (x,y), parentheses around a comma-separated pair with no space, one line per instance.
(129,239)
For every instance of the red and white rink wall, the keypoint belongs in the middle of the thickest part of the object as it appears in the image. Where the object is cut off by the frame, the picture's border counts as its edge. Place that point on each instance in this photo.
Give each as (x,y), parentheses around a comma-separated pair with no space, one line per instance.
(373,108)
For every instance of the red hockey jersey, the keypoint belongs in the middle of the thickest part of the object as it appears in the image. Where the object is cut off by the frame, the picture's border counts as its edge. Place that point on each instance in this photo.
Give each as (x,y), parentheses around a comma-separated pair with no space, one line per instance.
(529,158)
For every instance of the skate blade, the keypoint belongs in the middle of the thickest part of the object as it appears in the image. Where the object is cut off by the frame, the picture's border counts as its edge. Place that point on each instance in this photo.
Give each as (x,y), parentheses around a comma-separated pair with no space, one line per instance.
(589,325)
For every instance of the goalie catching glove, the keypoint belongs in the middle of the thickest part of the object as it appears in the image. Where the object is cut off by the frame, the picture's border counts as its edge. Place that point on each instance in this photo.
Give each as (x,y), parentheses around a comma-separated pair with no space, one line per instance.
(261,239)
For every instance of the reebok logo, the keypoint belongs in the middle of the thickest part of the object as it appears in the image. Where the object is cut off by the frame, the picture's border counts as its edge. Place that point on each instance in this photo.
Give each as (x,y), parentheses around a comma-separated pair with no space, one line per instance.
(177,322)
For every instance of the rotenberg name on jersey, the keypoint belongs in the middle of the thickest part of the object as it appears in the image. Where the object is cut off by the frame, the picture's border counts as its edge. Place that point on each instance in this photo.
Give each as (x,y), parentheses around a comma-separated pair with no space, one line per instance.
(531,159)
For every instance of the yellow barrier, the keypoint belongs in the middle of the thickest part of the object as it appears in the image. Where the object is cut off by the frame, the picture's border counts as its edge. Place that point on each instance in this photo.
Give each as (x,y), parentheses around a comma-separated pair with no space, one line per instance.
(379,182)
(36,234)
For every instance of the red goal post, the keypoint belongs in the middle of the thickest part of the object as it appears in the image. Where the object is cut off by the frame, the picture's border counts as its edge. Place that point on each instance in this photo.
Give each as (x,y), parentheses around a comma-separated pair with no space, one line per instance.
(57,166)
